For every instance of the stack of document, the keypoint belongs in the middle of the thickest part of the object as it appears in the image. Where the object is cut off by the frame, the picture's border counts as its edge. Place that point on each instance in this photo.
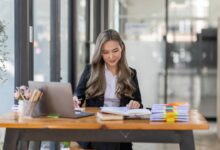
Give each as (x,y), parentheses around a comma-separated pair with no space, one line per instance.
(171,112)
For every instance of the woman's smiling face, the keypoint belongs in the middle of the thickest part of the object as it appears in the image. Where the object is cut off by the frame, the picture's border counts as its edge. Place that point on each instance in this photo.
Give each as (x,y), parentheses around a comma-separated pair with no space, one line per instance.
(111,53)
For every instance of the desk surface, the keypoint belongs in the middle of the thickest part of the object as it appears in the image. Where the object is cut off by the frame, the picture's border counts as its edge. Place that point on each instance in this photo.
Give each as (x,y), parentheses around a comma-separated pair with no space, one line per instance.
(15,120)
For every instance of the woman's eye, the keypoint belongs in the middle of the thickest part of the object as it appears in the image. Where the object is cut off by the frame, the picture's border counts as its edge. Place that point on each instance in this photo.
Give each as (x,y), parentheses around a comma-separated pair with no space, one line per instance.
(104,52)
(114,51)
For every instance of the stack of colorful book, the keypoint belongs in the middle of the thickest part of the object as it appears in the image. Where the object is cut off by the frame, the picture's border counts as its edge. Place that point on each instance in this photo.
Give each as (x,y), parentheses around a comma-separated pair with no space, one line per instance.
(171,112)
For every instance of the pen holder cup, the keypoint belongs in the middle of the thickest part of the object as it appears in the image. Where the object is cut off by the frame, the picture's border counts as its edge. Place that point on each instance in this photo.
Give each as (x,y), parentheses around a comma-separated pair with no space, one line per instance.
(29,108)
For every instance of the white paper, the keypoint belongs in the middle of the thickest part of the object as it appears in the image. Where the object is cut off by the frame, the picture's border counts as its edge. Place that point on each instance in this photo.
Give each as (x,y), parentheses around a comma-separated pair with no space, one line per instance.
(125,111)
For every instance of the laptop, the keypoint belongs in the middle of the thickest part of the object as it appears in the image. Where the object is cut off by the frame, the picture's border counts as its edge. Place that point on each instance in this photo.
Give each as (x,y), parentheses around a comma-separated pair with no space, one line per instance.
(57,99)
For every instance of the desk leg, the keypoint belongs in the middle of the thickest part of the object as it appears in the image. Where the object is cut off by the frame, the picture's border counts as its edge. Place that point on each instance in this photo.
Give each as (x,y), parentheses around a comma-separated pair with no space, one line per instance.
(54,145)
(187,141)
(35,145)
(11,139)
(23,145)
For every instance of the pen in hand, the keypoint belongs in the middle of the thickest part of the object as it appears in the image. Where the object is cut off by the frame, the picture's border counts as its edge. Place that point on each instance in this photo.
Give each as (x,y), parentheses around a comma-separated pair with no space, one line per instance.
(76,102)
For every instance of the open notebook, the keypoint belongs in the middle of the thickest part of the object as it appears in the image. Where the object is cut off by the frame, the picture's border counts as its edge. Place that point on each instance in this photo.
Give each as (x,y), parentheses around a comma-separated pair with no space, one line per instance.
(127,113)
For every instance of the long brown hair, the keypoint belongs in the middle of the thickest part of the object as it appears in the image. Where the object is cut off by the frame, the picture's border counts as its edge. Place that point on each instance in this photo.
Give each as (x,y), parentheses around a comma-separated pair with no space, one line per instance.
(96,84)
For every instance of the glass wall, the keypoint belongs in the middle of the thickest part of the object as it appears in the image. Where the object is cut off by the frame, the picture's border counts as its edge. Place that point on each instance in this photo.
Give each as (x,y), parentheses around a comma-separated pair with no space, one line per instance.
(42,39)
(191,48)
(81,50)
(64,40)
(141,23)
(41,11)
(192,41)
(186,21)
(7,88)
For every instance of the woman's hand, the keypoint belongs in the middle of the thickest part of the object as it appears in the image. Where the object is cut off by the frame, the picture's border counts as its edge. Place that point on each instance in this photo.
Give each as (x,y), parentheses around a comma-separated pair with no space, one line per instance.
(76,102)
(133,104)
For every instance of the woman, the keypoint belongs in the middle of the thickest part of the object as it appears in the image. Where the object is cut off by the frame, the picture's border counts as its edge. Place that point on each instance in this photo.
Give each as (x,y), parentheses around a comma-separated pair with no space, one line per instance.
(108,81)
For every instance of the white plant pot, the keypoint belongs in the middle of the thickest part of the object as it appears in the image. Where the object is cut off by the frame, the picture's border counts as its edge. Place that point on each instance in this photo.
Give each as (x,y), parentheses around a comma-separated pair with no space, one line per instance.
(20,105)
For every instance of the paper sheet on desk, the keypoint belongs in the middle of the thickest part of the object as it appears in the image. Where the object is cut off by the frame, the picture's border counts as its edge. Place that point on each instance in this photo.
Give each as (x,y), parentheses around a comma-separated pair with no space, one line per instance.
(125,111)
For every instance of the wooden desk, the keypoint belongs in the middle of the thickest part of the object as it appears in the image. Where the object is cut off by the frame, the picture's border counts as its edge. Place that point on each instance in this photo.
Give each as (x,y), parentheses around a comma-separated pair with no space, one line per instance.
(90,129)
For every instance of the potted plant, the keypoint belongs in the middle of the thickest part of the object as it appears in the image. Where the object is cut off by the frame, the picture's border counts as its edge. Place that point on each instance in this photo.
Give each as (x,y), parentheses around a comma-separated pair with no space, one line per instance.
(3,53)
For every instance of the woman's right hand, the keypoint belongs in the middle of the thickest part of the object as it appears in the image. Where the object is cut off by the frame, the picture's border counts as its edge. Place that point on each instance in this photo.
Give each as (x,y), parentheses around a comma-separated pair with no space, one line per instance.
(76,102)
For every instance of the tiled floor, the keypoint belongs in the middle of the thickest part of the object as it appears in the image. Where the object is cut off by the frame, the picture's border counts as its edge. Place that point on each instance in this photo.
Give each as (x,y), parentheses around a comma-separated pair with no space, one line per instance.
(204,140)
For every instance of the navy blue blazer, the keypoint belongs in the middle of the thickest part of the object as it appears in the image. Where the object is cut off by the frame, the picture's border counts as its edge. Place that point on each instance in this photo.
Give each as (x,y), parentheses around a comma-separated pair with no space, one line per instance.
(99,100)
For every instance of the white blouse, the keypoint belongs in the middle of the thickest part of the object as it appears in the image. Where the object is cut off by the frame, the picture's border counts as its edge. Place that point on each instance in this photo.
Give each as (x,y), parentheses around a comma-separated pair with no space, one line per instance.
(110,98)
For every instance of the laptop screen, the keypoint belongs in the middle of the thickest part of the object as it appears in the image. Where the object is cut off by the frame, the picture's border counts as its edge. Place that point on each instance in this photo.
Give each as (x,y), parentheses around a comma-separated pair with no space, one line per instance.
(57,98)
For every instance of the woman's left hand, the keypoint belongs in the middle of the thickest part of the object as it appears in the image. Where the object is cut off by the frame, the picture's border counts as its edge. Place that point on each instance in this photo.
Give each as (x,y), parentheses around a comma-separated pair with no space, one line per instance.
(133,104)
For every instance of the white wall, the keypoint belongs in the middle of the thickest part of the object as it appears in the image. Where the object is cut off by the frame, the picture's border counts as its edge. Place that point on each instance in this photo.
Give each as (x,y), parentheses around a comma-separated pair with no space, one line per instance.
(146,58)
(218,81)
